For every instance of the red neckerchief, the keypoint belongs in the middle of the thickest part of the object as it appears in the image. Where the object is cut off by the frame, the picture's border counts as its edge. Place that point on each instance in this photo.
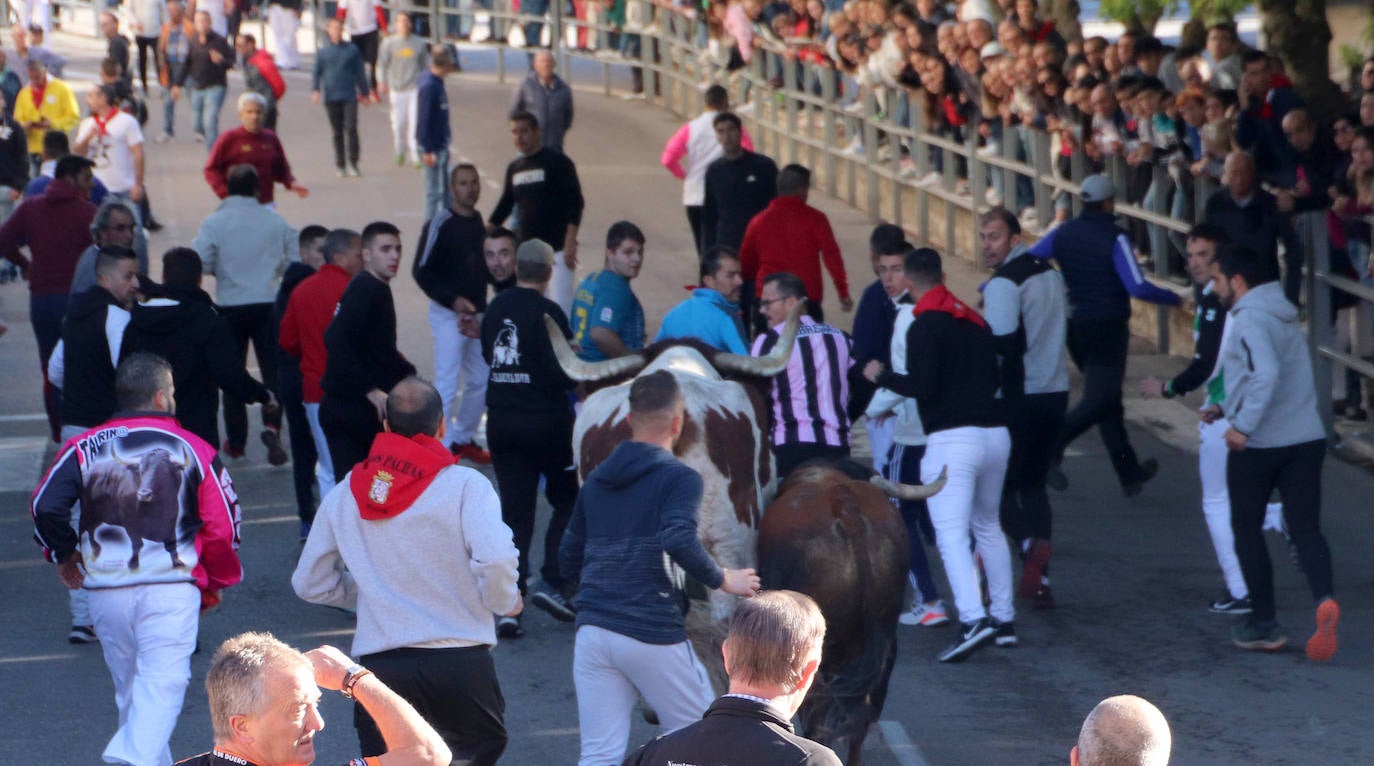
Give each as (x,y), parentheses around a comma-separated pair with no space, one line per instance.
(396,472)
(939,298)
(37,94)
(100,125)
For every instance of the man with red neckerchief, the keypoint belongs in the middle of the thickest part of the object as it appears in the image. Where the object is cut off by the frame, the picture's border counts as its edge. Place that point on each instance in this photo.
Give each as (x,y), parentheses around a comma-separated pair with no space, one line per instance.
(111,138)
(952,373)
(416,544)
(264,706)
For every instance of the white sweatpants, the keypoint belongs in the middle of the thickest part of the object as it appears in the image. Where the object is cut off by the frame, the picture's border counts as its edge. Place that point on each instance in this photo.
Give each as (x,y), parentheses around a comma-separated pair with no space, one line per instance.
(880,441)
(147,633)
(284,25)
(976,459)
(324,465)
(1216,503)
(611,671)
(561,284)
(458,358)
(405,106)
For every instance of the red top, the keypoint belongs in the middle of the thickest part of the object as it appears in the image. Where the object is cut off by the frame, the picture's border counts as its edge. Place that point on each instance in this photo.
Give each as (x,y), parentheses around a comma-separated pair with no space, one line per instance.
(57,227)
(787,236)
(262,150)
(308,313)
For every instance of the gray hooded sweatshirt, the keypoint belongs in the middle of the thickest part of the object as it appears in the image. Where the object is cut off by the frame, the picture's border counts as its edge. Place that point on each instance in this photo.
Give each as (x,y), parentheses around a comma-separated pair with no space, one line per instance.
(1270,396)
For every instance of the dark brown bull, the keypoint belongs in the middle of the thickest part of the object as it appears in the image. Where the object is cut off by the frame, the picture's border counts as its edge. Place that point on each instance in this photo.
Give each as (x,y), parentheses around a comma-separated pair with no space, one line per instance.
(143,496)
(835,536)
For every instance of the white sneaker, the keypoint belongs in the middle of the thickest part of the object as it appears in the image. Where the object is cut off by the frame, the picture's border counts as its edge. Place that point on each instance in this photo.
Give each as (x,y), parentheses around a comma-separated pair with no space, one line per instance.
(929,179)
(993,149)
(925,615)
(855,148)
(163,138)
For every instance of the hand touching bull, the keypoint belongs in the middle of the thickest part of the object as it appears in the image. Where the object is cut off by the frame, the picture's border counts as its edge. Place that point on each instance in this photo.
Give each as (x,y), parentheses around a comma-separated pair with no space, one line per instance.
(741,582)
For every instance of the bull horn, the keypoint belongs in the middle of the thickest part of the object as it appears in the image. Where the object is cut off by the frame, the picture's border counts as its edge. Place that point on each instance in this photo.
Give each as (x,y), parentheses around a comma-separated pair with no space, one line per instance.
(911,491)
(589,372)
(775,361)
(114,453)
(185,457)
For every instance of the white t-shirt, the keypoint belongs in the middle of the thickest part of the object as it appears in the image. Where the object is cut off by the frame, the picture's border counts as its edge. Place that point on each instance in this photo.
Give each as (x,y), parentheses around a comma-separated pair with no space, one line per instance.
(360,16)
(113,152)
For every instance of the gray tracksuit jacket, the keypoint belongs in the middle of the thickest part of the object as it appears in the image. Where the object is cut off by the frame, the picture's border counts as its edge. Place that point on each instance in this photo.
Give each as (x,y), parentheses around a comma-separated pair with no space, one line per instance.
(1270,395)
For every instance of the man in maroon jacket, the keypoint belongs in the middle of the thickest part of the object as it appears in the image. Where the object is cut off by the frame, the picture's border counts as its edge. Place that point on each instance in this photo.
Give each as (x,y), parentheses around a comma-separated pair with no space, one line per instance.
(790,235)
(251,144)
(56,225)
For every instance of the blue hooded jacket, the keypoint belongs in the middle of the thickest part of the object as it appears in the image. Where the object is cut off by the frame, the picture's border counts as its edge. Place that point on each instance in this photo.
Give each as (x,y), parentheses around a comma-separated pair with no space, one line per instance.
(708,317)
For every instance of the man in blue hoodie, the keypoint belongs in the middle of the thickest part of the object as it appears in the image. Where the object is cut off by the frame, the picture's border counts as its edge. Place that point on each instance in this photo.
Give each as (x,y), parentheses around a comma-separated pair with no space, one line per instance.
(637,512)
(711,315)
(1277,441)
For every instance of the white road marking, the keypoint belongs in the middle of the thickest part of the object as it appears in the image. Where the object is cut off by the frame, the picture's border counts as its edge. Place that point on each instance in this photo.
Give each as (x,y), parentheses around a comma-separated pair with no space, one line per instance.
(903,749)
(32,417)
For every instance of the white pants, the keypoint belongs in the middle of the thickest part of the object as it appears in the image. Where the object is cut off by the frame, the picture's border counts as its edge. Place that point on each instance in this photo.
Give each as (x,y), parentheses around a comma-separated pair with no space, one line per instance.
(77,600)
(324,465)
(1216,503)
(880,440)
(976,459)
(611,671)
(405,105)
(147,633)
(561,284)
(458,357)
(284,24)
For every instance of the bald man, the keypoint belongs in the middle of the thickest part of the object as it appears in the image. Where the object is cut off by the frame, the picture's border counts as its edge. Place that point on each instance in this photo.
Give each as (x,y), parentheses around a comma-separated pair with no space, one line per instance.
(1316,156)
(1250,216)
(421,540)
(1123,731)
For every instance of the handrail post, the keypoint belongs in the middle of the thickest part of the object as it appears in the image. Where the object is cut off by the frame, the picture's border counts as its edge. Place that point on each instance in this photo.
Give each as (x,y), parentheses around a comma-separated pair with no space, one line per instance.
(1321,333)
(1044,166)
(1159,250)
(829,117)
(871,151)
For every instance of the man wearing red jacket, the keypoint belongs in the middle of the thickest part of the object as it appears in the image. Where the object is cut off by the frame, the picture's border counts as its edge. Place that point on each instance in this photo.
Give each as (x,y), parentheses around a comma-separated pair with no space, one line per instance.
(142,478)
(308,313)
(251,144)
(56,225)
(788,236)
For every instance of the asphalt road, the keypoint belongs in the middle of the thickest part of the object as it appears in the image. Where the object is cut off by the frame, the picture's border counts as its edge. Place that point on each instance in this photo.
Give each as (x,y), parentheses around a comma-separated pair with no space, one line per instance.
(1132,577)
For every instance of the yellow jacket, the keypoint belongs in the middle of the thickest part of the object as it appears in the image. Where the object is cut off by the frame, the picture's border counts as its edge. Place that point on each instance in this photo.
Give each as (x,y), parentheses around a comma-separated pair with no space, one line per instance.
(59,106)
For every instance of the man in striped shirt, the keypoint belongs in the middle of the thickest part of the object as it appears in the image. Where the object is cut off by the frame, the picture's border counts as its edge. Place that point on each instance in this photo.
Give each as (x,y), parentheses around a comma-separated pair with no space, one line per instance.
(807,401)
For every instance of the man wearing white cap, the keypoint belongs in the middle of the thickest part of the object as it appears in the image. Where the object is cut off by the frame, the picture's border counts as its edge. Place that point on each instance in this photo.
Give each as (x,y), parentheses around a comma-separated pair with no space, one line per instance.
(1102,277)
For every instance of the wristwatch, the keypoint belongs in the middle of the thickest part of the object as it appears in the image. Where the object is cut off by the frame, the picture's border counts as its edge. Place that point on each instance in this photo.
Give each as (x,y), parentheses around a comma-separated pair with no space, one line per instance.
(352,676)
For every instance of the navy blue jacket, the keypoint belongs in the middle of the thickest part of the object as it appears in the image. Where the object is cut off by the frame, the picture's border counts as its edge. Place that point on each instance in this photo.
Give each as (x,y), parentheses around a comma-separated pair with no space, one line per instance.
(339,74)
(873,321)
(431,122)
(1099,268)
(1259,130)
(635,512)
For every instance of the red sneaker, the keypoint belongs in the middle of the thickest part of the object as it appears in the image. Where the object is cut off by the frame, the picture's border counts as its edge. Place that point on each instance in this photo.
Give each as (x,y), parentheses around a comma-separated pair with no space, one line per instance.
(1322,645)
(471,452)
(231,451)
(1037,559)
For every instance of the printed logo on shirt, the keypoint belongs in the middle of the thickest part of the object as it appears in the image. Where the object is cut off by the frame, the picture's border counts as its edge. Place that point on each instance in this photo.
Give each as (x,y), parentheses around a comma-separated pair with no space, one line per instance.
(405,53)
(535,176)
(381,487)
(750,179)
(607,314)
(505,352)
(1211,315)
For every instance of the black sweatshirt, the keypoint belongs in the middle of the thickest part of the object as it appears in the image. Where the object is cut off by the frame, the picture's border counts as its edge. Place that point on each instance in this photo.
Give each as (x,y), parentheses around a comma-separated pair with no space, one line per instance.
(88,371)
(525,375)
(545,187)
(14,155)
(735,730)
(185,329)
(952,373)
(1209,322)
(455,266)
(736,191)
(361,342)
(198,65)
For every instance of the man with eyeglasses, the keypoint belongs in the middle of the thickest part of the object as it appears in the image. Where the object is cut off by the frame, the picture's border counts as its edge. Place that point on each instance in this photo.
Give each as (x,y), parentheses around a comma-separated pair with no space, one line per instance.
(114,225)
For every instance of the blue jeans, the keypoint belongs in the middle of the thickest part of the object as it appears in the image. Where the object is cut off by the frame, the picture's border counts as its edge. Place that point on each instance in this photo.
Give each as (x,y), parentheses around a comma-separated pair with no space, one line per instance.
(533,29)
(436,184)
(45,315)
(205,106)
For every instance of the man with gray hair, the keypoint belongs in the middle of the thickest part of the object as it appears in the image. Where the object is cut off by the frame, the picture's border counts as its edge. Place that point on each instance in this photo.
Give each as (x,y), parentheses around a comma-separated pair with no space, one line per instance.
(251,144)
(1123,731)
(114,226)
(771,655)
(257,685)
(416,545)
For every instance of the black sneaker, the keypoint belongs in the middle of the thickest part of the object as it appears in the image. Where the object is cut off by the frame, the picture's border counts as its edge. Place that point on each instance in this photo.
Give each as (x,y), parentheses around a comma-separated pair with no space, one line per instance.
(972,635)
(1258,637)
(1056,479)
(82,634)
(549,599)
(1148,469)
(1005,635)
(1229,605)
(275,454)
(509,627)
